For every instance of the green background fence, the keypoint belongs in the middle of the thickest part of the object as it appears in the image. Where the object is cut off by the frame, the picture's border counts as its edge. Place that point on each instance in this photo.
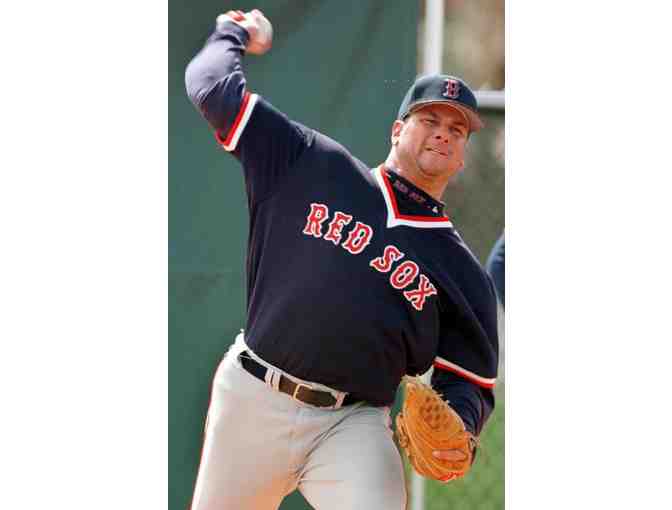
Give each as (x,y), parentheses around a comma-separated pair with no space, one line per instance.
(342,68)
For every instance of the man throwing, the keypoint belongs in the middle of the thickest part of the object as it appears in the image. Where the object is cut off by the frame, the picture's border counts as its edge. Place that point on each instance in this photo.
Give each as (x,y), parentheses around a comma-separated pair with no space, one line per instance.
(356,278)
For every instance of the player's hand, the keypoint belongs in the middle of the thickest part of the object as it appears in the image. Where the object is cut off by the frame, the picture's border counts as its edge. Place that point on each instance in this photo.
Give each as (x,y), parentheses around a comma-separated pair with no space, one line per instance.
(257,26)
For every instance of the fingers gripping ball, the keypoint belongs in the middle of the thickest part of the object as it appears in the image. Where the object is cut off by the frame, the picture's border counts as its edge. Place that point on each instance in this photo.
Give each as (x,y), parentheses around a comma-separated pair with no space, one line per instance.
(257,26)
(426,423)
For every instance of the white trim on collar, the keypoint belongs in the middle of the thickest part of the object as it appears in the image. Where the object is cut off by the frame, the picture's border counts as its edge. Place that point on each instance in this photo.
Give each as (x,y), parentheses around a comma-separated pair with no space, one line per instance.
(394,218)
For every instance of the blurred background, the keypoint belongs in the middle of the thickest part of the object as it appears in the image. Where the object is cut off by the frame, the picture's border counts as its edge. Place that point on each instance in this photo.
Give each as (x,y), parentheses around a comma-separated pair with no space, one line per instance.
(342,68)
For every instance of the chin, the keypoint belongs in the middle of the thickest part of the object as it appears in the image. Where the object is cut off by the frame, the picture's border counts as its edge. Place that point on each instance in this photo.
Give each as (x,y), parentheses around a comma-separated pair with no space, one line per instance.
(437,171)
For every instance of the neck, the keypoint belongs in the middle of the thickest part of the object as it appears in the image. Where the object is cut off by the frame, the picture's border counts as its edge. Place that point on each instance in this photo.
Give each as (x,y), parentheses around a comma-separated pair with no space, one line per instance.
(432,185)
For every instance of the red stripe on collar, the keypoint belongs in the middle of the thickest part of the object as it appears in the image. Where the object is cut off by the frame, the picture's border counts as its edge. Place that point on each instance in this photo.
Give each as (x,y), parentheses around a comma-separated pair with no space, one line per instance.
(395,207)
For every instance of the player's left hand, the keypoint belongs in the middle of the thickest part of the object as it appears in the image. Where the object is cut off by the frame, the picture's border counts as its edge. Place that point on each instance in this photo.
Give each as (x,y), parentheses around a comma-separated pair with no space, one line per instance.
(432,434)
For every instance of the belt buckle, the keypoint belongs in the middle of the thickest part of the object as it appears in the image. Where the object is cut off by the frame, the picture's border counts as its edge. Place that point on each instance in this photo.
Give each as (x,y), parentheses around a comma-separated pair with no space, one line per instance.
(296,390)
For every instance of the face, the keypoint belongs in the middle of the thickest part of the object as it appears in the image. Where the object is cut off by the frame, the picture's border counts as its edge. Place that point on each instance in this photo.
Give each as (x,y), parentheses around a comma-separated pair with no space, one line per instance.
(431,141)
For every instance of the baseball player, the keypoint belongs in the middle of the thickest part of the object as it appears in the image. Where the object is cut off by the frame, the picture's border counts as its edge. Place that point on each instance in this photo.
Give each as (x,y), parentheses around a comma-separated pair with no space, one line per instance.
(356,277)
(495,267)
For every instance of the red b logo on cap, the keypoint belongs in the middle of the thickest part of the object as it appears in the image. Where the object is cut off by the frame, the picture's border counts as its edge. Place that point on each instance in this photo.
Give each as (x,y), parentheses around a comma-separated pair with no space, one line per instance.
(452,89)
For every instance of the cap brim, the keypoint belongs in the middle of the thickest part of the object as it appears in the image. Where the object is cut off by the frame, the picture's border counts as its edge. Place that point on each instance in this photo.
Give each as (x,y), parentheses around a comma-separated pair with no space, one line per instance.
(475,122)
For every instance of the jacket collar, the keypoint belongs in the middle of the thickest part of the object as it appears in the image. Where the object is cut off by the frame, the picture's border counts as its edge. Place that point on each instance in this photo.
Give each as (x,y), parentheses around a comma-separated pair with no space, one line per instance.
(394,216)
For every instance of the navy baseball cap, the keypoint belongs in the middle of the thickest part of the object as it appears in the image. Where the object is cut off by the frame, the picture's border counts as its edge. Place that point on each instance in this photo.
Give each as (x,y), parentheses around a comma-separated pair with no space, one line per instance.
(441,88)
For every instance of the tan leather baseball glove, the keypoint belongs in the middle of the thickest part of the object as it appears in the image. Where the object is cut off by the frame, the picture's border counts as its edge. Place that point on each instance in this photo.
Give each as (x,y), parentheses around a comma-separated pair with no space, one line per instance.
(425,424)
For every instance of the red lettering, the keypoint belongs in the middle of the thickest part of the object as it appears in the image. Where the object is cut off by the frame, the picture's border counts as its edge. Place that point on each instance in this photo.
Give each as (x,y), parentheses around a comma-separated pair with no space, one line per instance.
(384,263)
(318,215)
(418,296)
(336,226)
(404,274)
(358,239)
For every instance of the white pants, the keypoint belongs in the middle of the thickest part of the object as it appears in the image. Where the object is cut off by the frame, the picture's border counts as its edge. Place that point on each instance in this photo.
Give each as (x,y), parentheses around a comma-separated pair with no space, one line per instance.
(260,445)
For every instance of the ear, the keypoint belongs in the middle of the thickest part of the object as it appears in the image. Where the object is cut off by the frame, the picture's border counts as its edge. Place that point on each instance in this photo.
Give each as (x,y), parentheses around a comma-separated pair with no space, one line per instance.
(397,126)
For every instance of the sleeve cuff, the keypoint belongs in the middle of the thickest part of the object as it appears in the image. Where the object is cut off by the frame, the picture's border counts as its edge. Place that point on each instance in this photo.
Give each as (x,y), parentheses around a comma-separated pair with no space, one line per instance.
(483,382)
(230,141)
(224,19)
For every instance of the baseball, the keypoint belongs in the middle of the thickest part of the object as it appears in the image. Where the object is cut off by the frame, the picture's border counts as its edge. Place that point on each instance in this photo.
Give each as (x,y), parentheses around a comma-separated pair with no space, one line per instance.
(261,32)
(265,32)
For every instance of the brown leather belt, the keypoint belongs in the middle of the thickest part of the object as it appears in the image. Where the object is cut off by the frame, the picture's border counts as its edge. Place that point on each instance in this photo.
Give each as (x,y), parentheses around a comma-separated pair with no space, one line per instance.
(297,391)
